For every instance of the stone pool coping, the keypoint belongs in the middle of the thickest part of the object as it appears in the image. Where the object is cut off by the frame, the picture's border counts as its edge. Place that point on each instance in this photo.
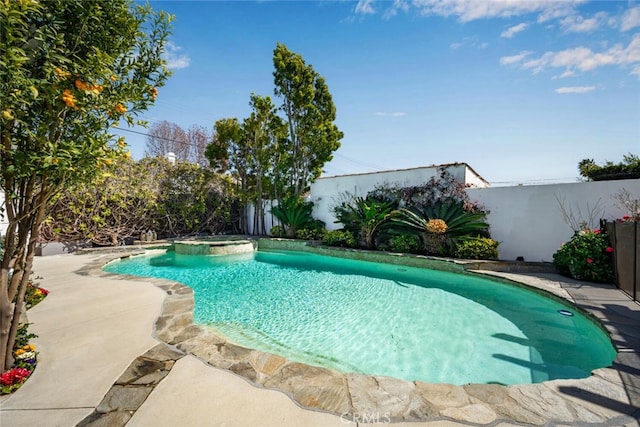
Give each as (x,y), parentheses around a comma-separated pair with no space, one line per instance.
(609,397)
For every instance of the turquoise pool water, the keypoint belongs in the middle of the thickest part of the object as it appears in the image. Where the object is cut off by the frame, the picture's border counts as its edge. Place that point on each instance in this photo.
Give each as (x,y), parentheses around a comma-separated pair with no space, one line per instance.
(380,319)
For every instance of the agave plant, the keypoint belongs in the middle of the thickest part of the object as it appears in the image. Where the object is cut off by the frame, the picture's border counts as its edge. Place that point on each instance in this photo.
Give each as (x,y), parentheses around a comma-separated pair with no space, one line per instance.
(294,214)
(364,218)
(440,224)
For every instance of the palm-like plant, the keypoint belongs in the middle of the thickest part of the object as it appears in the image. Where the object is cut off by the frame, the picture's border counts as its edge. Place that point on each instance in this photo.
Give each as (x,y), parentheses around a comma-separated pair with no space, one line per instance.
(458,224)
(364,218)
(294,214)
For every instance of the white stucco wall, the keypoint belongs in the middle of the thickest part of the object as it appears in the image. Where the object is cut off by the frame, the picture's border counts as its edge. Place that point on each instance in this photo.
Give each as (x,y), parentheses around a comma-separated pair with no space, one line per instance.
(472,179)
(527,220)
(326,192)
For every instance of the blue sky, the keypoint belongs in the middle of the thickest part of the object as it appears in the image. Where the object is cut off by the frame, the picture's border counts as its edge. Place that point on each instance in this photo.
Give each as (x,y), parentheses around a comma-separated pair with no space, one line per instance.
(520,90)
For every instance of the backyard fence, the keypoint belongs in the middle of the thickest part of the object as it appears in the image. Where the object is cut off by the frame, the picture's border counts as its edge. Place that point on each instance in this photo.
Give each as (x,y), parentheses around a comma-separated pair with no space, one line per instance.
(625,240)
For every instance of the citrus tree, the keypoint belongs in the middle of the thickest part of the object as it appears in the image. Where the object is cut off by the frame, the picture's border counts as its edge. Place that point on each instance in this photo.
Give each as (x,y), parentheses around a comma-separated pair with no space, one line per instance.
(69,71)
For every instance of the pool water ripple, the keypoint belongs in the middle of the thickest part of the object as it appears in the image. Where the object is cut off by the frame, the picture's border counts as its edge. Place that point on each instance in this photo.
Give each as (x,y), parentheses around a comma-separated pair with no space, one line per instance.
(408,323)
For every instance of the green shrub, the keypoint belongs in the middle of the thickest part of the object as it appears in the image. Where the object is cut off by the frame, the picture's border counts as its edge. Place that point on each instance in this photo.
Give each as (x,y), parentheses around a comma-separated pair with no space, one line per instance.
(277,231)
(406,243)
(477,248)
(587,256)
(339,238)
(310,234)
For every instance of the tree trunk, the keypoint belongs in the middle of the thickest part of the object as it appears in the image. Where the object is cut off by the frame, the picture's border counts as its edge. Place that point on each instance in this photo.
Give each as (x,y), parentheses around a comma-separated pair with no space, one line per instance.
(22,260)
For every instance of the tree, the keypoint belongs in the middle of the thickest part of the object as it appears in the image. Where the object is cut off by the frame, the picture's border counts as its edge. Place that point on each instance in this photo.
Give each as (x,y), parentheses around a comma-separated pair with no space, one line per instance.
(189,146)
(114,206)
(199,137)
(69,70)
(166,137)
(310,114)
(133,197)
(248,150)
(629,168)
(191,199)
(228,151)
(263,131)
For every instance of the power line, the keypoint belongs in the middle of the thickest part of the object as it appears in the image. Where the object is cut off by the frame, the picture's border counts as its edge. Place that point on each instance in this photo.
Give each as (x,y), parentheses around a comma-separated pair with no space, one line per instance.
(156,136)
(360,162)
(565,179)
(535,181)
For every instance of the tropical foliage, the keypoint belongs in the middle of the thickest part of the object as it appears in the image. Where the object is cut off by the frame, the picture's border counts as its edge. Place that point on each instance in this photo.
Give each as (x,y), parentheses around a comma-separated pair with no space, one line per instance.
(294,214)
(69,71)
(433,216)
(363,218)
(440,225)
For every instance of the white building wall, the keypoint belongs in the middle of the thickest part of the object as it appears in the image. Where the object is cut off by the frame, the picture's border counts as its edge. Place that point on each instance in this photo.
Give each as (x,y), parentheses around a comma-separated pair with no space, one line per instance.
(528,222)
(326,192)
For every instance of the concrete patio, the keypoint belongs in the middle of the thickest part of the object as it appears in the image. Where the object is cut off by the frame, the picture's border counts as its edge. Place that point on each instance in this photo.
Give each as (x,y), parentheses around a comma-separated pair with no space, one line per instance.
(122,350)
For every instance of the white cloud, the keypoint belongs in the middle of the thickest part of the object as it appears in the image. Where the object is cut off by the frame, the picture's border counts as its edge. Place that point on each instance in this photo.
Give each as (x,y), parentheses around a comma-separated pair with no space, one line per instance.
(470,42)
(512,31)
(470,10)
(365,7)
(578,24)
(630,19)
(560,10)
(575,89)
(582,58)
(173,58)
(538,65)
(567,73)
(398,5)
(514,59)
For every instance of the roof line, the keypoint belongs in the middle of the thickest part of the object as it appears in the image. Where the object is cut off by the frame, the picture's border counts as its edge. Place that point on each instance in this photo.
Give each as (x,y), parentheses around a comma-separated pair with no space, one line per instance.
(444,165)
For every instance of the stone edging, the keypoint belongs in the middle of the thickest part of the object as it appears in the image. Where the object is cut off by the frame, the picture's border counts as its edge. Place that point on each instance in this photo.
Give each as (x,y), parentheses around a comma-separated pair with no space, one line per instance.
(358,395)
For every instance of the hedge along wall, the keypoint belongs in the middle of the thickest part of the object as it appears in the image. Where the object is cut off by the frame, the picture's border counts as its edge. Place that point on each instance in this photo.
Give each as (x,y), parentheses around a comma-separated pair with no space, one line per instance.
(527,220)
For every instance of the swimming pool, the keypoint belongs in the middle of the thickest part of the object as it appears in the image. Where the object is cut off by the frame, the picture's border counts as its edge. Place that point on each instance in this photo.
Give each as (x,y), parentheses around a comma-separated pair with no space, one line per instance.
(380,319)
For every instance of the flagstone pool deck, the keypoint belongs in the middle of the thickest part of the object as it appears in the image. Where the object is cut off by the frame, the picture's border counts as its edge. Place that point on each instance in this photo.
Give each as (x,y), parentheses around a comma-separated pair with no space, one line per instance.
(116,350)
